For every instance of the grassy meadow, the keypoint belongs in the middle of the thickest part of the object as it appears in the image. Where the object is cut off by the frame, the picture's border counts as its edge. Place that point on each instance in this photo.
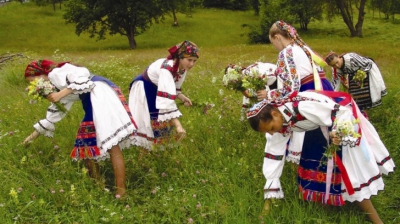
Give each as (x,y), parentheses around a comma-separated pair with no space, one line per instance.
(214,175)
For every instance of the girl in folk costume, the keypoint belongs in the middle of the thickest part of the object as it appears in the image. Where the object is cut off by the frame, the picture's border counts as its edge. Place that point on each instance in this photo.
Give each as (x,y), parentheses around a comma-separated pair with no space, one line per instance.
(106,128)
(298,69)
(360,76)
(153,93)
(257,68)
(353,171)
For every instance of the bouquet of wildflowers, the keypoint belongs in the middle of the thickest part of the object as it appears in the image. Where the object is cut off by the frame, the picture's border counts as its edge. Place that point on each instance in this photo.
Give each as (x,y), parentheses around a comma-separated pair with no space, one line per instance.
(254,81)
(233,77)
(40,89)
(345,131)
(359,77)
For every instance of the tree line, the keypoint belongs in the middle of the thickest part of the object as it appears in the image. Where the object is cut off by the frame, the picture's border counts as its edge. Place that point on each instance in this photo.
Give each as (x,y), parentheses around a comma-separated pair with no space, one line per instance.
(133,17)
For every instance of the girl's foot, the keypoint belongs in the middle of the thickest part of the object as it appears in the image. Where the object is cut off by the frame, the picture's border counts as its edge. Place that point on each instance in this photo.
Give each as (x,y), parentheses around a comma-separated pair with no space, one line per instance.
(121,193)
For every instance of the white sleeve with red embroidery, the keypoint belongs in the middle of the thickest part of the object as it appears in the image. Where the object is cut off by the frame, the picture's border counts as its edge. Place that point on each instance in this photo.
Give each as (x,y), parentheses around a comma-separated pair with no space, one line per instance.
(274,159)
(166,94)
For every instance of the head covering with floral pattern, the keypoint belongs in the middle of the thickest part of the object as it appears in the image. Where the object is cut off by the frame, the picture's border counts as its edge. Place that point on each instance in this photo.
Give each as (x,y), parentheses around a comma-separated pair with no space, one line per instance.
(41,67)
(256,108)
(183,50)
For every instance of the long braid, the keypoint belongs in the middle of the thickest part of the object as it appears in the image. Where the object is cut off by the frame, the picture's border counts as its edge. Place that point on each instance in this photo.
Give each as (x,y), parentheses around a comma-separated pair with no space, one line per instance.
(292,33)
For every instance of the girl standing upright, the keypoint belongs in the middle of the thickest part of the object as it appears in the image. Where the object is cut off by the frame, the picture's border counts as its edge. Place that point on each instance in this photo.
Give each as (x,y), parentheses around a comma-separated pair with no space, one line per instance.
(153,93)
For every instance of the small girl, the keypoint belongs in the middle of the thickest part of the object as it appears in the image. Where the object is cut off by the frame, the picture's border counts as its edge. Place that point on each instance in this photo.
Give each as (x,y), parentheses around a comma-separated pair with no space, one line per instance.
(354,171)
(360,76)
(152,96)
(107,126)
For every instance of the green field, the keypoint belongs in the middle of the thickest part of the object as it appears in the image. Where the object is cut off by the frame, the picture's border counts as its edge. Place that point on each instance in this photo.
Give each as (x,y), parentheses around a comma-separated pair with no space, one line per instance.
(214,175)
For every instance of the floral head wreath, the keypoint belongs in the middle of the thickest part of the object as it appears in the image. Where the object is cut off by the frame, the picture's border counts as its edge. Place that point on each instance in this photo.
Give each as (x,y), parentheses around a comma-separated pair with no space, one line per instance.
(256,108)
(41,67)
(291,31)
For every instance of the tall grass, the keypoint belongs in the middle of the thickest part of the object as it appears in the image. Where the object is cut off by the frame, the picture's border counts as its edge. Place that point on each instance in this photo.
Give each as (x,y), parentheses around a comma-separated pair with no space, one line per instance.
(214,175)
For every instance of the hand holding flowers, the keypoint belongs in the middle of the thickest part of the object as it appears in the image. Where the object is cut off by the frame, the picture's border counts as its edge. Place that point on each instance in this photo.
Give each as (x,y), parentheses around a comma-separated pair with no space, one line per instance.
(359,77)
(343,133)
(248,83)
(40,89)
(233,77)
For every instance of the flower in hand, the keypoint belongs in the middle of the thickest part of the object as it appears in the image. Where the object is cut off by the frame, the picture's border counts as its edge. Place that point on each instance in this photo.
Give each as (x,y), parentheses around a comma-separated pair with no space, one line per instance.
(233,77)
(40,89)
(343,133)
(359,77)
(249,84)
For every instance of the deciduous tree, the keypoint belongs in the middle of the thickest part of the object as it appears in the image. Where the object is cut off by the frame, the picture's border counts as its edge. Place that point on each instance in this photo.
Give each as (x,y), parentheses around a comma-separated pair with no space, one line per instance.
(47,2)
(304,11)
(182,6)
(125,17)
(346,9)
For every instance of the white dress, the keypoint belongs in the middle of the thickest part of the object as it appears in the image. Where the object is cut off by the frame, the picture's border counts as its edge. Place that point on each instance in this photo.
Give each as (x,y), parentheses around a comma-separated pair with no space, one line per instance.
(293,68)
(167,87)
(364,163)
(111,120)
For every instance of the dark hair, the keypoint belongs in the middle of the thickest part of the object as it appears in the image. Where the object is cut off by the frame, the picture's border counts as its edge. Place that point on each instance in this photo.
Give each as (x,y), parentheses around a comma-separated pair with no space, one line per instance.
(329,58)
(263,115)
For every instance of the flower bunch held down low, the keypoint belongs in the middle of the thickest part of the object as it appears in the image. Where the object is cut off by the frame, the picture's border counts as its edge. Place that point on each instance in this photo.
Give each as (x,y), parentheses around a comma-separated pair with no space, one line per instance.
(40,89)
(359,77)
(346,131)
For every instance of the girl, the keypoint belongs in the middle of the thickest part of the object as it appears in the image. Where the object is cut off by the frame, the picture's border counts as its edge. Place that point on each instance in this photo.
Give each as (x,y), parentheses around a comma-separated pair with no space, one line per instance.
(106,128)
(153,93)
(261,69)
(369,90)
(354,172)
(296,71)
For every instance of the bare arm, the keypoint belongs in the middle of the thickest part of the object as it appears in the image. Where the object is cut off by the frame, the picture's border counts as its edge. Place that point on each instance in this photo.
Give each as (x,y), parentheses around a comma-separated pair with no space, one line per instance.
(186,101)
(31,137)
(57,96)
(179,129)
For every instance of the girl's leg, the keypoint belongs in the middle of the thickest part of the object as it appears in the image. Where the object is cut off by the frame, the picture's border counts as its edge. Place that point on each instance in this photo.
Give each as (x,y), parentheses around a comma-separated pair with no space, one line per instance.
(93,168)
(367,207)
(118,163)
